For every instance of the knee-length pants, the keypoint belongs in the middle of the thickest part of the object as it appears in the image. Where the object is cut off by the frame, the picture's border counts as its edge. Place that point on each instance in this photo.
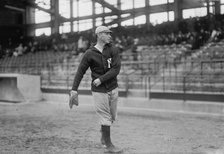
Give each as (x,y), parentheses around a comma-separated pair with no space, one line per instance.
(106,106)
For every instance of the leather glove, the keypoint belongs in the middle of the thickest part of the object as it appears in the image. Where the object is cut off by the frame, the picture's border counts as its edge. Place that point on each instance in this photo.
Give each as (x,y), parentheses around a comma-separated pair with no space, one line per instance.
(73,99)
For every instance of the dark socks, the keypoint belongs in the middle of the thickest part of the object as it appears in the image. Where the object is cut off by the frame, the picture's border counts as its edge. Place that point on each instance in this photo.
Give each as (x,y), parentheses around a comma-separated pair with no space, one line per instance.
(106,135)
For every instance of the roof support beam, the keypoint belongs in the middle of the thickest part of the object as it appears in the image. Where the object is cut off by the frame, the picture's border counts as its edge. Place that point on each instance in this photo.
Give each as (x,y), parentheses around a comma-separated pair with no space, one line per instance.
(14,8)
(114,9)
(34,5)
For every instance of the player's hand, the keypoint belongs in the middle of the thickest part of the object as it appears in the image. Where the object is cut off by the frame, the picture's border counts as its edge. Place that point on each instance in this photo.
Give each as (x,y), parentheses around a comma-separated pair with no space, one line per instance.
(73,99)
(97,82)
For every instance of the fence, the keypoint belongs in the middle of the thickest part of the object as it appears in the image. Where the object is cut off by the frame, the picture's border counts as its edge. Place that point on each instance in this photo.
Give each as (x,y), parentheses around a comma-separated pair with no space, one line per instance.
(201,76)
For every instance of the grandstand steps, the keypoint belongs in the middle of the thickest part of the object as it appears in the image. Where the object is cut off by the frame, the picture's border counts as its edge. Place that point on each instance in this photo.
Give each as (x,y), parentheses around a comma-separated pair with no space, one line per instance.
(38,59)
(166,75)
(57,70)
(194,85)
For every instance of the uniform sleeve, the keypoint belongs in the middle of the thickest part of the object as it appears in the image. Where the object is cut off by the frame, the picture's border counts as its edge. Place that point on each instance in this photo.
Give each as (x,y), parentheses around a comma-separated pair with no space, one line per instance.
(115,67)
(83,66)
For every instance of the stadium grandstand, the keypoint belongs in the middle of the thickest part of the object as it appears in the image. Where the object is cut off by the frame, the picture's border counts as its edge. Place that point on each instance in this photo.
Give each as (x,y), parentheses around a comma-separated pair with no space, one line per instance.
(171,49)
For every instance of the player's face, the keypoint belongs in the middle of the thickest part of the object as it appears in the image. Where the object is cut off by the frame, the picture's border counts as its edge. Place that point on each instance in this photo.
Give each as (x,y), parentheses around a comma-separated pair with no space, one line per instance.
(105,37)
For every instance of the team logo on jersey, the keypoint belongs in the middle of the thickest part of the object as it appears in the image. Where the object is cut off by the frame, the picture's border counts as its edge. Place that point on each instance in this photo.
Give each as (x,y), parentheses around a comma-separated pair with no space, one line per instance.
(109,61)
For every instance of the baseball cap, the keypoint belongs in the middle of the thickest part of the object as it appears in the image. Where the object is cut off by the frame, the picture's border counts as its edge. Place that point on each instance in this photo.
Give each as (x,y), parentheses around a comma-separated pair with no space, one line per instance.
(101,29)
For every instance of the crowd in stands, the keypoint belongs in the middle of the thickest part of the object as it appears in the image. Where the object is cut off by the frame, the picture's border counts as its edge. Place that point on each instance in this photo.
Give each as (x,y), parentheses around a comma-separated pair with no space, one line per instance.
(195,32)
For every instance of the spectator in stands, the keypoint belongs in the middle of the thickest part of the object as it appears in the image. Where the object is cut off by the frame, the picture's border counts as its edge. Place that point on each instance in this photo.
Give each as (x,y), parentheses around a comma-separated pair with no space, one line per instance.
(130,41)
(124,41)
(179,37)
(81,44)
(119,45)
(215,35)
(34,46)
(18,50)
(74,48)
(15,53)
(134,49)
(54,45)
(8,53)
(86,44)
(64,38)
(104,61)
(25,49)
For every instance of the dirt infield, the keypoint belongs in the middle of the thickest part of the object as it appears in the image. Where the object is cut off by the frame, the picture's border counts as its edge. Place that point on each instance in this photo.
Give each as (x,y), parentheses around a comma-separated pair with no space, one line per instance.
(52,128)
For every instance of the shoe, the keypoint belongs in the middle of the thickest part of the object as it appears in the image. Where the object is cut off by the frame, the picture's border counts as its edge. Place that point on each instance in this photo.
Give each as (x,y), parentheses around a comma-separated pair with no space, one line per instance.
(113,149)
(107,140)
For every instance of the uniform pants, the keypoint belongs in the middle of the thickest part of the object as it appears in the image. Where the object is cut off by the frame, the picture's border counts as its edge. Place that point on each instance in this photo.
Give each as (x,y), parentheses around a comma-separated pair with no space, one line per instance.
(106,106)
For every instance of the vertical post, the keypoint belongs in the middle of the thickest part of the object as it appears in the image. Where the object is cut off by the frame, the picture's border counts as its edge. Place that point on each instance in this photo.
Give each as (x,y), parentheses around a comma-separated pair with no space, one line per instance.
(208,13)
(36,68)
(163,78)
(49,74)
(201,74)
(147,14)
(178,14)
(55,5)
(133,10)
(67,70)
(149,86)
(170,73)
(30,18)
(184,88)
(78,15)
(217,7)
(127,85)
(119,16)
(145,83)
(168,17)
(208,6)
(71,14)
(175,73)
(103,19)
(93,13)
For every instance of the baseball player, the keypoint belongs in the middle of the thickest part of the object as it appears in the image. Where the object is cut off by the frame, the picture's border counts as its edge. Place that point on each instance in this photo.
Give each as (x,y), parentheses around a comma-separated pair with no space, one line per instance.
(104,61)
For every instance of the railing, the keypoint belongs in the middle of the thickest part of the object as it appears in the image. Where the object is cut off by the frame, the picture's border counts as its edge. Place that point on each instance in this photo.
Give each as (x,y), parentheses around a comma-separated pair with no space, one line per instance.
(192,77)
(203,76)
